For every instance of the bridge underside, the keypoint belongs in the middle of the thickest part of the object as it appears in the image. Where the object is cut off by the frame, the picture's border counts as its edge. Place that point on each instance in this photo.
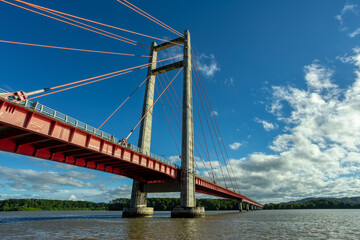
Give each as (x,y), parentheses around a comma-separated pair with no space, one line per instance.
(29,132)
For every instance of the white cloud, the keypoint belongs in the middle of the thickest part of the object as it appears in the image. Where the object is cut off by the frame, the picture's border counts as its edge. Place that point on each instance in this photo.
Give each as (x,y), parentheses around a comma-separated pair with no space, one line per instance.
(229,81)
(214,113)
(235,145)
(171,52)
(318,155)
(318,77)
(72,197)
(348,8)
(266,125)
(207,65)
(22,179)
(174,159)
(354,33)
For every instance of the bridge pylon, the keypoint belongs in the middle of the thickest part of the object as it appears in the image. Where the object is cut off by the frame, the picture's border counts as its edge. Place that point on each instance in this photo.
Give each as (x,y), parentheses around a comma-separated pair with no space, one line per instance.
(187,207)
(138,202)
(186,184)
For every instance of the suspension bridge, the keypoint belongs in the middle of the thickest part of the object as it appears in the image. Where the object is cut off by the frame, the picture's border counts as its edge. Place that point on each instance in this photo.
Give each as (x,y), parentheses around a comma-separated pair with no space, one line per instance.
(29,128)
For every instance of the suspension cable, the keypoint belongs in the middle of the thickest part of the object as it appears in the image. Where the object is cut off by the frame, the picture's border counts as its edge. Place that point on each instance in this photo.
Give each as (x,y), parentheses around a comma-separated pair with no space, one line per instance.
(167,119)
(97,80)
(218,129)
(117,38)
(207,102)
(127,40)
(88,20)
(87,79)
(117,73)
(122,104)
(202,129)
(74,49)
(132,130)
(212,138)
(148,16)
(177,122)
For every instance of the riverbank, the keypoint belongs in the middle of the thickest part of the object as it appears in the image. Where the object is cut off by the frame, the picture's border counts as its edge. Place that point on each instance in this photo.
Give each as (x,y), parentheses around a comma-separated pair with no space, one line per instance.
(159,204)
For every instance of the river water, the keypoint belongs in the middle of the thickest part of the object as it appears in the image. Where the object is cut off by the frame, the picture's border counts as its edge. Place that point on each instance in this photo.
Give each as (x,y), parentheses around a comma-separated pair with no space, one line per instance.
(266,224)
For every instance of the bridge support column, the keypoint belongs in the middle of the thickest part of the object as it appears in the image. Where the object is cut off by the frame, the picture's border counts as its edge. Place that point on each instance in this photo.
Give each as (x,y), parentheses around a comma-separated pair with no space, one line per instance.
(240,205)
(247,206)
(138,202)
(187,207)
(251,207)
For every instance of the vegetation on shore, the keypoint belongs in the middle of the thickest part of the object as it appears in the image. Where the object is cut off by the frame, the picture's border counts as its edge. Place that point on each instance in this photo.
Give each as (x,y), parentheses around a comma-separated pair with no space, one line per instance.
(44,204)
(159,204)
(168,204)
(314,204)
(162,204)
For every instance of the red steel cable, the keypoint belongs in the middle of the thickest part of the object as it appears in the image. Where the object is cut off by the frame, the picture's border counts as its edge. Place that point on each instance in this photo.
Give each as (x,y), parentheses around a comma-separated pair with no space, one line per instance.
(178,122)
(74,49)
(117,73)
(151,18)
(97,80)
(87,79)
(84,19)
(157,21)
(212,138)
(98,29)
(203,132)
(73,24)
(207,102)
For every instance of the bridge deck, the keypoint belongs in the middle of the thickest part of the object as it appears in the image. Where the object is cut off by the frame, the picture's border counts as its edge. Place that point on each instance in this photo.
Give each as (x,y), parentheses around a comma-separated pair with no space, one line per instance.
(35,130)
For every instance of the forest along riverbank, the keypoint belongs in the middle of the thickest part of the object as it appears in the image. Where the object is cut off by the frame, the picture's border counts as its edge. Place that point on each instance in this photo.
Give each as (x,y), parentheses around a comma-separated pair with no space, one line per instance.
(159,204)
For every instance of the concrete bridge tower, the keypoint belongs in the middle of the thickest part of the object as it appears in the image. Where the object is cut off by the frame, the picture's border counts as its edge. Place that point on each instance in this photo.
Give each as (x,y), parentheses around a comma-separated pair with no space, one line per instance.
(186,186)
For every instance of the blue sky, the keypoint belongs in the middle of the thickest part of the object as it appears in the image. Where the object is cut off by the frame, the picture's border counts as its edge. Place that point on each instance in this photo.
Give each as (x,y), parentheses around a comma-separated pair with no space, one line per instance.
(282,77)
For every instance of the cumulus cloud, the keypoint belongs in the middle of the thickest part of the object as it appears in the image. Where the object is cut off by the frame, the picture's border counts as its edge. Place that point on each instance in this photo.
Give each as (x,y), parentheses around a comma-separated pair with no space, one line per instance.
(235,145)
(318,153)
(207,65)
(22,179)
(266,125)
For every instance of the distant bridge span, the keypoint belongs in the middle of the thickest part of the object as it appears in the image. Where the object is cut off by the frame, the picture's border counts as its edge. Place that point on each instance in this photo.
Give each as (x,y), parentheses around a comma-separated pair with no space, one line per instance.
(35,130)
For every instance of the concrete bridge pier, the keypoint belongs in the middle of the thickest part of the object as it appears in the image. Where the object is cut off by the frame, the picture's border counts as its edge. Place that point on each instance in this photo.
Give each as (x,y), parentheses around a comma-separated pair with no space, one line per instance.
(187,207)
(247,206)
(138,202)
(240,205)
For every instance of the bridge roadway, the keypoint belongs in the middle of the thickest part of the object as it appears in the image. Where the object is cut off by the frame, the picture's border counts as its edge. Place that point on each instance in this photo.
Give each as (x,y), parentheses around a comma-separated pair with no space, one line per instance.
(35,130)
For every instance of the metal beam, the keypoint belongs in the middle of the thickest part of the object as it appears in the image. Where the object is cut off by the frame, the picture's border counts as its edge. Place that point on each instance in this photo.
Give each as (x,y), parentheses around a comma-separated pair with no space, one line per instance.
(162,187)
(169,44)
(167,68)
